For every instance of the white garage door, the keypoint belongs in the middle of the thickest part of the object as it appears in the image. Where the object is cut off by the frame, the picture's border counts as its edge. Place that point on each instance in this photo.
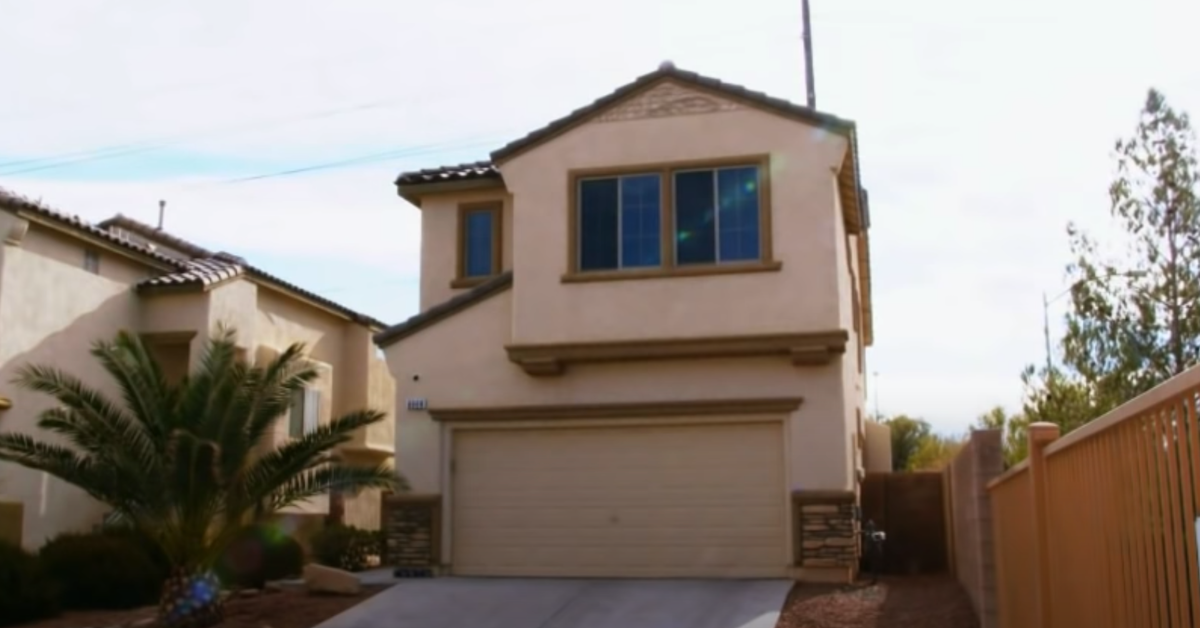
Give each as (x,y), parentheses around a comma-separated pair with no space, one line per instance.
(654,501)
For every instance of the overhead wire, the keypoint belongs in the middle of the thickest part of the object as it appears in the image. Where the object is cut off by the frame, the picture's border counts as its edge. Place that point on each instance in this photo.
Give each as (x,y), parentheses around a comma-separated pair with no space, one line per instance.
(274,70)
(126,149)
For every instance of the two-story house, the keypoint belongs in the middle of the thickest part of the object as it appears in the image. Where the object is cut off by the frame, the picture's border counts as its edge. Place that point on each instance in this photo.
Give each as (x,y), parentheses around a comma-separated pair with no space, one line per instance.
(66,283)
(640,345)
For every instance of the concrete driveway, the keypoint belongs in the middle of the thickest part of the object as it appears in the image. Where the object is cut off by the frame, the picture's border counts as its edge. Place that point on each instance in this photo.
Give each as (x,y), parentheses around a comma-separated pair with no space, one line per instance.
(554,603)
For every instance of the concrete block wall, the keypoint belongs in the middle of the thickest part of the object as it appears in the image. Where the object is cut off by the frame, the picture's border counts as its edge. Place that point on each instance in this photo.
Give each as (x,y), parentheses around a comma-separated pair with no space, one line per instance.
(971,532)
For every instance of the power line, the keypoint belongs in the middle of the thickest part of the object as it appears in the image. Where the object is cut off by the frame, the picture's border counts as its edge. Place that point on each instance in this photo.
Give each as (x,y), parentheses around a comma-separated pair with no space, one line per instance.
(411,151)
(133,148)
(274,70)
(117,151)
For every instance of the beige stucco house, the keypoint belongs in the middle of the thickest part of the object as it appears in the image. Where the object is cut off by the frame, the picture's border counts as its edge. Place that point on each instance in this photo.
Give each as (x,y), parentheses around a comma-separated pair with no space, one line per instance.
(65,283)
(640,345)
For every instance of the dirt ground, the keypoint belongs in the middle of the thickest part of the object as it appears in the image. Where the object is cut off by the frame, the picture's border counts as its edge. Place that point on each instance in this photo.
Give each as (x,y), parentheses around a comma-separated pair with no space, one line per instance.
(291,608)
(908,602)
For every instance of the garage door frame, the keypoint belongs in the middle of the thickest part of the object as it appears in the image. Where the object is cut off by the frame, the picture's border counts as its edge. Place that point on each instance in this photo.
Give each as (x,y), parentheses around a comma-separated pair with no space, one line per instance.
(448,442)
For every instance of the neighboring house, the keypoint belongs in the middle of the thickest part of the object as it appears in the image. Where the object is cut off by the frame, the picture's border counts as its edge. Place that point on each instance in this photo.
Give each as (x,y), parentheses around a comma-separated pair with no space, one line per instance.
(640,345)
(65,283)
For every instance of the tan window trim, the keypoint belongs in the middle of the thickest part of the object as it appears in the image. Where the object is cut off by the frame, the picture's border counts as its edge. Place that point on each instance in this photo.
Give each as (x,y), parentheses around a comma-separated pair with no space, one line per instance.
(461,280)
(766,261)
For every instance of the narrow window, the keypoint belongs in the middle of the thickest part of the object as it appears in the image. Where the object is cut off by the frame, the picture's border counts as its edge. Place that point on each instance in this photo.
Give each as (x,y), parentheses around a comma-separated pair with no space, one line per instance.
(312,409)
(304,415)
(296,413)
(620,222)
(479,241)
(91,261)
(717,215)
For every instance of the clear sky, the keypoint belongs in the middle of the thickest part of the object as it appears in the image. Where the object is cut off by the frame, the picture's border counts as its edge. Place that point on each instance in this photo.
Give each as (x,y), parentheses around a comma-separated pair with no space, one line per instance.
(984,127)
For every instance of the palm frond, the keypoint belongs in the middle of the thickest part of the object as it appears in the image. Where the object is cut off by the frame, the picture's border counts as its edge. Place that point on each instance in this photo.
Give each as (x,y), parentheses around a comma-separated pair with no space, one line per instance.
(94,422)
(141,379)
(65,464)
(330,478)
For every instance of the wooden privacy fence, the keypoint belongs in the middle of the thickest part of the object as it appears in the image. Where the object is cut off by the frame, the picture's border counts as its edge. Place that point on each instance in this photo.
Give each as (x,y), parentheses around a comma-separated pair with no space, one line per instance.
(910,508)
(1098,528)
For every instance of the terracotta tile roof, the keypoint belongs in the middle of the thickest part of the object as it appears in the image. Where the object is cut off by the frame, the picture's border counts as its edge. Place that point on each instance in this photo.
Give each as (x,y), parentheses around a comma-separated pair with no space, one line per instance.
(445,174)
(14,201)
(488,169)
(206,269)
(444,310)
(198,273)
(121,221)
(668,70)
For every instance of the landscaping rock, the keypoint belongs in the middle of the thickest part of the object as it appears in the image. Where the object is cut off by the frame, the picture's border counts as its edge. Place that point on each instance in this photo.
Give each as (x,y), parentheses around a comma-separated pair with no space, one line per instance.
(322,579)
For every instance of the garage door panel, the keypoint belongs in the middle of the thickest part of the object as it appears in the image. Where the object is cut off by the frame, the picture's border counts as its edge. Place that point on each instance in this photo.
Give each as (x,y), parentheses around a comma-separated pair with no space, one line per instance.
(701,514)
(698,500)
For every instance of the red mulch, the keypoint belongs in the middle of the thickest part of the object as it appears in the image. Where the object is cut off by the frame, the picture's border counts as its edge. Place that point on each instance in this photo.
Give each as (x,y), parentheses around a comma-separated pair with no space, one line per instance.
(290,608)
(908,602)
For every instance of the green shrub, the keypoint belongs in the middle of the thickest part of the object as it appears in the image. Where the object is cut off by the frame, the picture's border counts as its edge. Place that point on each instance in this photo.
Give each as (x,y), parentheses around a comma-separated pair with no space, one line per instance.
(26,592)
(153,551)
(345,547)
(101,571)
(258,554)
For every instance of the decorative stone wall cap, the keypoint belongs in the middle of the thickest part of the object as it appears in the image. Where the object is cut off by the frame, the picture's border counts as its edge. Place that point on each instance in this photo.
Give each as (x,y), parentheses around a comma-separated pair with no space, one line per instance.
(823,497)
(412,498)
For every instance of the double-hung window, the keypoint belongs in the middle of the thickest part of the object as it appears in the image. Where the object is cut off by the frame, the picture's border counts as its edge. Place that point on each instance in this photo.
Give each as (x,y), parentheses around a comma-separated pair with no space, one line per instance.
(478,241)
(670,218)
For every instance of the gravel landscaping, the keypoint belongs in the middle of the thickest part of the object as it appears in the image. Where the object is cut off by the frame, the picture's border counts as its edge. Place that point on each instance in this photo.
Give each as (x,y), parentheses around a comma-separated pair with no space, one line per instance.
(911,602)
(289,608)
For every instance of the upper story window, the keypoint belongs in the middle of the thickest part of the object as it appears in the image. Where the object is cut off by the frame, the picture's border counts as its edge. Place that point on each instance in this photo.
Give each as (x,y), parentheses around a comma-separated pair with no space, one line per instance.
(685,219)
(478,242)
(91,261)
(304,414)
(620,222)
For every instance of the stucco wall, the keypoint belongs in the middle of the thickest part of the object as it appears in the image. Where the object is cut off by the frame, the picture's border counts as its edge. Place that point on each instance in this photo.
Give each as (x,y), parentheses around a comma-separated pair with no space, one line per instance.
(878,452)
(462,363)
(439,241)
(802,296)
(51,310)
(852,393)
(282,321)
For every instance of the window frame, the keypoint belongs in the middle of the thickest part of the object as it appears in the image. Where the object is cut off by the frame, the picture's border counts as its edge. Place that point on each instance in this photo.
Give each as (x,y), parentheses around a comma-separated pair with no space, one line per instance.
(663,234)
(308,406)
(668,266)
(91,261)
(496,208)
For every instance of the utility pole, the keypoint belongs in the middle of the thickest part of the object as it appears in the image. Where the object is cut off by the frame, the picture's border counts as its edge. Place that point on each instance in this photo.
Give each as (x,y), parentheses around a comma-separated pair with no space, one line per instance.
(162,211)
(1046,331)
(875,381)
(809,81)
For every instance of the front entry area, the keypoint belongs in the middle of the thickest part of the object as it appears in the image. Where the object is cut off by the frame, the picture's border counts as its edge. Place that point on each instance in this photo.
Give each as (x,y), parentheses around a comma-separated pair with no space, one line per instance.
(630,501)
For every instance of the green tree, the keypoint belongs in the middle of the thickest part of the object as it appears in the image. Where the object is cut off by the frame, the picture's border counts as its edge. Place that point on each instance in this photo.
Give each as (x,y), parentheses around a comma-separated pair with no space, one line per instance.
(189,463)
(1134,319)
(1012,430)
(907,435)
(934,452)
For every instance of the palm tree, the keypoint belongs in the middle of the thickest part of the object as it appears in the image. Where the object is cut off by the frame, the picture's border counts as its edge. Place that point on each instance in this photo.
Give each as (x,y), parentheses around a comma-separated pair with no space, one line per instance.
(190,463)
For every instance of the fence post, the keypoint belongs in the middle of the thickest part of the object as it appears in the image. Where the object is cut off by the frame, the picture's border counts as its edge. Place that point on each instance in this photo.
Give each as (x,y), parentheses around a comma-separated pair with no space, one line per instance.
(1041,435)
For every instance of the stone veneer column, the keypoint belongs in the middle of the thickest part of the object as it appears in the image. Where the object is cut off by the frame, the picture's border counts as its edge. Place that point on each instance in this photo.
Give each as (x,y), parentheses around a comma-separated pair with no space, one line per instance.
(828,543)
(411,526)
